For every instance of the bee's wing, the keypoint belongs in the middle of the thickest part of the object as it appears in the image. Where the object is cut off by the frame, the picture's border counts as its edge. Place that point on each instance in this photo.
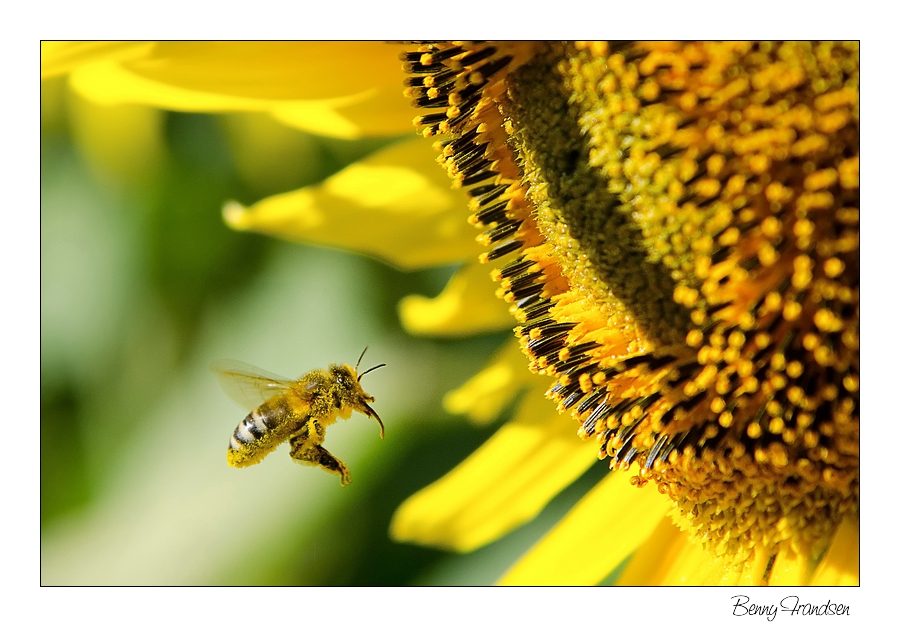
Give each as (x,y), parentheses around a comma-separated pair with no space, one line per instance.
(247,385)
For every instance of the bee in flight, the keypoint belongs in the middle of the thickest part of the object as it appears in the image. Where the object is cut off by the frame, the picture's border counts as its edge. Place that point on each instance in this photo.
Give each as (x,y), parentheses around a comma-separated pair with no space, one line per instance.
(294,410)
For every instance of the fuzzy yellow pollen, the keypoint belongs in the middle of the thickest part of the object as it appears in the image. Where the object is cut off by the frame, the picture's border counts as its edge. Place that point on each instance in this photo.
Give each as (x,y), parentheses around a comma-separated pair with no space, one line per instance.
(779,455)
(584,383)
(778,361)
(829,392)
(776,425)
(686,296)
(833,267)
(849,216)
(737,339)
(760,164)
(849,174)
(801,278)
(773,304)
(698,317)
(776,192)
(828,321)
(796,395)
(694,338)
(744,368)
(810,439)
(730,236)
(821,179)
(778,381)
(803,262)
(810,341)
(792,311)
(767,254)
(717,405)
(771,227)
(804,228)
(723,386)
(703,264)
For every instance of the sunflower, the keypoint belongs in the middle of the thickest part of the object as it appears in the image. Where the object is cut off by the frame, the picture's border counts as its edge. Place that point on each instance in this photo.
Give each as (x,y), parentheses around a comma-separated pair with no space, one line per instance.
(675,229)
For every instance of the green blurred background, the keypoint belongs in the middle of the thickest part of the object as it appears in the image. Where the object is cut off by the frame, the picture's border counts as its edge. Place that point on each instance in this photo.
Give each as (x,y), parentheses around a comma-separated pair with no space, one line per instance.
(143,286)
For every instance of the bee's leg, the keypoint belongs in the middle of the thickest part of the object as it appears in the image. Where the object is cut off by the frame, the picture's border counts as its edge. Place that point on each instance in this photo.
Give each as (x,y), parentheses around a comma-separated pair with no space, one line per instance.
(316,431)
(307,452)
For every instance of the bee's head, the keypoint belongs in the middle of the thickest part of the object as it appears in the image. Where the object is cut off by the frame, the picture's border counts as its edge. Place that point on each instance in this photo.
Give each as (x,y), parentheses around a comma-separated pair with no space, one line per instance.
(348,394)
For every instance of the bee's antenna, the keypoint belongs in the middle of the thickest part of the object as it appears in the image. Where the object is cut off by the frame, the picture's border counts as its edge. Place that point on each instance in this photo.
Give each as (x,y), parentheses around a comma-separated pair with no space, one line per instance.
(360,358)
(369,370)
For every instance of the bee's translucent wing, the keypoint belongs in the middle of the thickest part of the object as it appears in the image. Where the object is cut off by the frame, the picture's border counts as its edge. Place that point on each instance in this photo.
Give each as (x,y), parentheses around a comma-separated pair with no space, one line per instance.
(247,385)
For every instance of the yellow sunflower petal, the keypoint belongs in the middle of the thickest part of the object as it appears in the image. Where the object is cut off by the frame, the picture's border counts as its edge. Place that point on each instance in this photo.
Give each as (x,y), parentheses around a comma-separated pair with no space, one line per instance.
(754,570)
(274,70)
(58,58)
(109,83)
(840,566)
(377,112)
(326,118)
(504,484)
(602,530)
(466,306)
(394,205)
(668,558)
(285,78)
(484,396)
(790,569)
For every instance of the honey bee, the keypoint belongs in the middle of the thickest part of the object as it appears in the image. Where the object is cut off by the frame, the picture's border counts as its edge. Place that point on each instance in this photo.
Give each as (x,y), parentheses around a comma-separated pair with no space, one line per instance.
(294,410)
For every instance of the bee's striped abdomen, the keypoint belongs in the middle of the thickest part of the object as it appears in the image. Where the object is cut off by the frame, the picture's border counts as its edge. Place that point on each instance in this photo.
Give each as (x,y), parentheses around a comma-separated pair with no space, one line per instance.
(251,429)
(260,432)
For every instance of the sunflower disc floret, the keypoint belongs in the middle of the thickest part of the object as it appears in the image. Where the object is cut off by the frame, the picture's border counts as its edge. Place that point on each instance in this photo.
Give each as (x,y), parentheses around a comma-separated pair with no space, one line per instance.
(676,227)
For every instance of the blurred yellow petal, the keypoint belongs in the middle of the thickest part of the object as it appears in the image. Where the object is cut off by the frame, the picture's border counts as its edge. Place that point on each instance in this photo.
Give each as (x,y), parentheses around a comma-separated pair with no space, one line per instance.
(378,112)
(325,117)
(58,58)
(484,396)
(606,525)
(275,70)
(466,306)
(840,566)
(122,143)
(109,83)
(394,205)
(288,79)
(504,484)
